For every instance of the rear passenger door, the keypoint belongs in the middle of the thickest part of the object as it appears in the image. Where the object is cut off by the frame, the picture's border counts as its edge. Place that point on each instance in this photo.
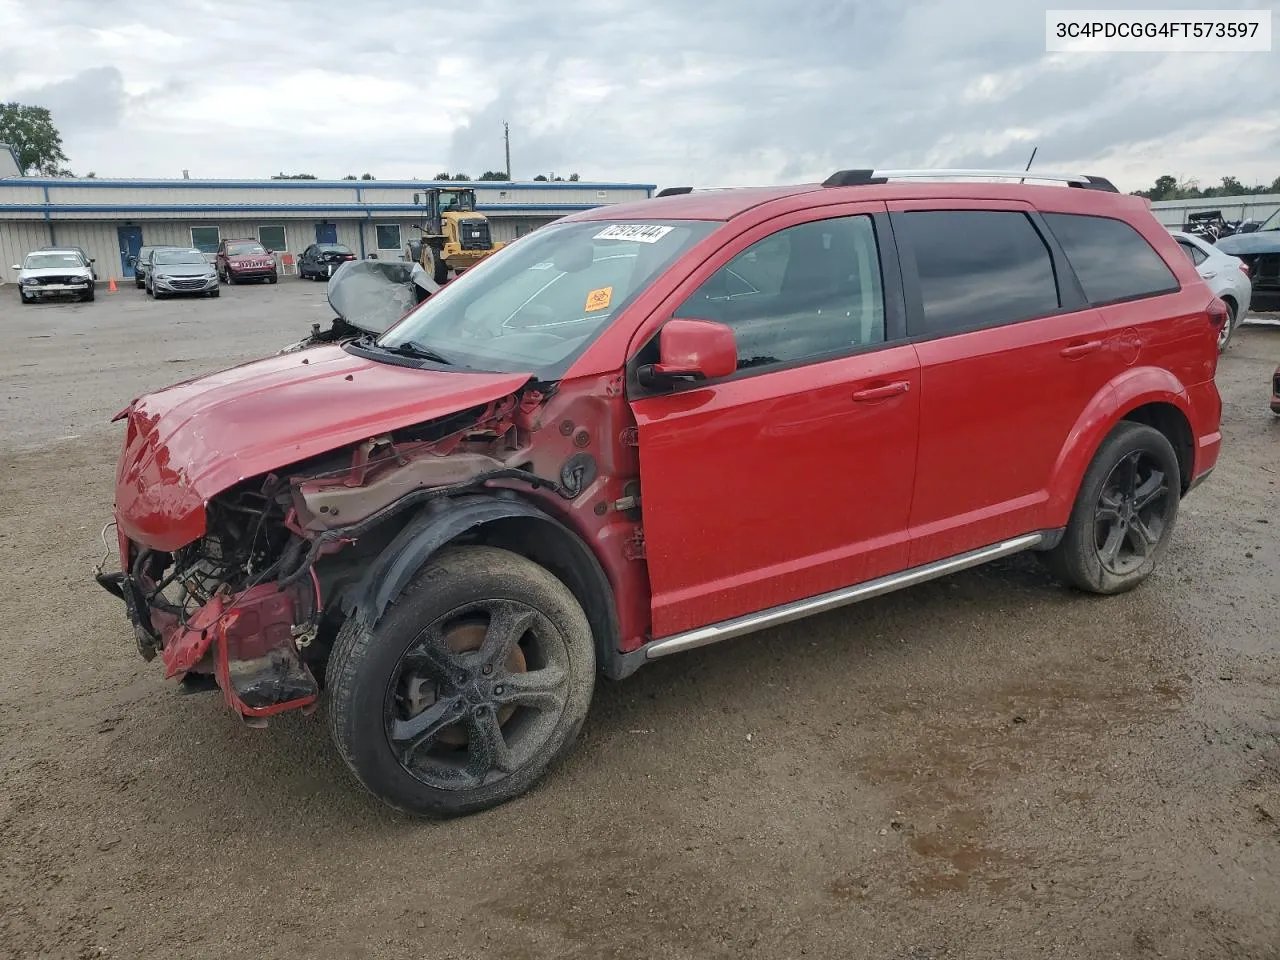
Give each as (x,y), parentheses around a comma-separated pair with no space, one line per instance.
(793,476)
(1010,356)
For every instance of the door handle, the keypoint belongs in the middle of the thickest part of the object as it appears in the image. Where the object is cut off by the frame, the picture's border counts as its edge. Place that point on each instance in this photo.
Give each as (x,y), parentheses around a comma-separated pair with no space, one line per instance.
(871,394)
(1074,350)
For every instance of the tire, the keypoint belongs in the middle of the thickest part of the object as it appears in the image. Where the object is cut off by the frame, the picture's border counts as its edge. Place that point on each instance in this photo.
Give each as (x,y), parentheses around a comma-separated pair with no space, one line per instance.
(26,301)
(151,291)
(88,297)
(371,684)
(138,284)
(1104,513)
(230,281)
(274,278)
(215,293)
(1228,328)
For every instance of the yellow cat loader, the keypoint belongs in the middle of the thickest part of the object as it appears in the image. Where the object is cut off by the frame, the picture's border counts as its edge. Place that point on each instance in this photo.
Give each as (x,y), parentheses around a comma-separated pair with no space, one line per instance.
(454,236)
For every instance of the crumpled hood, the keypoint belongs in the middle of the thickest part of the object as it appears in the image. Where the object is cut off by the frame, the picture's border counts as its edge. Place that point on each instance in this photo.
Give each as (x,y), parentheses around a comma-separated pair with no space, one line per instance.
(1260,241)
(189,442)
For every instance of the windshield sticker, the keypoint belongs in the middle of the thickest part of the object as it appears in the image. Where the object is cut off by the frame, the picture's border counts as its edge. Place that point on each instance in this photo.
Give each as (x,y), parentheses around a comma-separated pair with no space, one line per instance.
(544,265)
(637,232)
(599,299)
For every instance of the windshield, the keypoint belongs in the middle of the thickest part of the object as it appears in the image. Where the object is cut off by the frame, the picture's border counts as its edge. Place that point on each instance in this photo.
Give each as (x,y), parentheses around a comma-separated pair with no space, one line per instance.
(536,305)
(1272,222)
(457,201)
(332,248)
(52,261)
(244,249)
(179,256)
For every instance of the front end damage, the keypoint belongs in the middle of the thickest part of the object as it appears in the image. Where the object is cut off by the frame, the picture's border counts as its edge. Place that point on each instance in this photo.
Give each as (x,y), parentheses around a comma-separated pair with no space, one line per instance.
(254,602)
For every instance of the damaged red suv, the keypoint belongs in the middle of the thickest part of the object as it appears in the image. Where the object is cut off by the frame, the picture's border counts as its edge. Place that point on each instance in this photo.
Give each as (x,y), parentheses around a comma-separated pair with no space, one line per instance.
(654,426)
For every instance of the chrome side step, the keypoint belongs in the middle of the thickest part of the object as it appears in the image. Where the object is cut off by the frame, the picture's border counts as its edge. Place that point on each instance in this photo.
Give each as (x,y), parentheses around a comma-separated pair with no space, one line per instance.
(799,609)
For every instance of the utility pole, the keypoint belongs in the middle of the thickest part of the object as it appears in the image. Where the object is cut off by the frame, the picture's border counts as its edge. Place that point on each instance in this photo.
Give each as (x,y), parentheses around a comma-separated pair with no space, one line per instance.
(506,139)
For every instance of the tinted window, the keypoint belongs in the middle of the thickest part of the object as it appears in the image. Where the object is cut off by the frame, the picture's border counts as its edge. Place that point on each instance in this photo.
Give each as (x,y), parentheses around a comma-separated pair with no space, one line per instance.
(802,292)
(1194,253)
(1112,260)
(979,268)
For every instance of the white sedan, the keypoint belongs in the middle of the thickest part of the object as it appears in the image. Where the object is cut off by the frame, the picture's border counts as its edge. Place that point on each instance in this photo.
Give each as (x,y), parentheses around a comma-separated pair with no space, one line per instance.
(1227,276)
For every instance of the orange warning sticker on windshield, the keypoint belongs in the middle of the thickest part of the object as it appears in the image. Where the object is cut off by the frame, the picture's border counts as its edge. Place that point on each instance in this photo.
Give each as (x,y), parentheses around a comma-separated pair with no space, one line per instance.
(599,299)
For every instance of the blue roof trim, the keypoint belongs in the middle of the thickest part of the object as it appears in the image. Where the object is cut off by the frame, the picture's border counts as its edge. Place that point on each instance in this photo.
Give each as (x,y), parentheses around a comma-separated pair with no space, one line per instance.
(233,209)
(322,184)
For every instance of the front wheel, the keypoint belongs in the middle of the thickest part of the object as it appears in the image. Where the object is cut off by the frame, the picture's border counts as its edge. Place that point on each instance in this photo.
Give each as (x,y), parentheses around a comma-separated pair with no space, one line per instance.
(475,681)
(1124,513)
(274,278)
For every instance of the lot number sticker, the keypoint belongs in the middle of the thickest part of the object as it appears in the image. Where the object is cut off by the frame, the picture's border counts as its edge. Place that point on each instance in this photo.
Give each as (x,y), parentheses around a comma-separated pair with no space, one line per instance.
(599,299)
(637,232)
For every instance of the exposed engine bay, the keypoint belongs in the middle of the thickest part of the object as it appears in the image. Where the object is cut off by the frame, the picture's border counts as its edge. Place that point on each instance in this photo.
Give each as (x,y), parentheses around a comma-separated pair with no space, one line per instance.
(255,603)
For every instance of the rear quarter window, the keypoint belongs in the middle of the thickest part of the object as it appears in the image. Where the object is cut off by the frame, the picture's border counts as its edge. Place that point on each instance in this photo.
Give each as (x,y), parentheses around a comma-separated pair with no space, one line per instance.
(1112,260)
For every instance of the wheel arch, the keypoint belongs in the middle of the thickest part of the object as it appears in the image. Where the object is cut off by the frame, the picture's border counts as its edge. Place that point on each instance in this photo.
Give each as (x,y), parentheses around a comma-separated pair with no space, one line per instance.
(511,523)
(1148,395)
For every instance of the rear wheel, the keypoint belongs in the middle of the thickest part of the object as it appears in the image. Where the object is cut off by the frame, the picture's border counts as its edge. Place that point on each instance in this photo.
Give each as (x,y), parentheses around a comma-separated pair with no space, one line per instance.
(474,682)
(1228,328)
(1124,513)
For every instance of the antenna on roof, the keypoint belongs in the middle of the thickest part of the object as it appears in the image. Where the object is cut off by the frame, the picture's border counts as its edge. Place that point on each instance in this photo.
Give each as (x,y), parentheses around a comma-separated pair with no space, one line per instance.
(1029,162)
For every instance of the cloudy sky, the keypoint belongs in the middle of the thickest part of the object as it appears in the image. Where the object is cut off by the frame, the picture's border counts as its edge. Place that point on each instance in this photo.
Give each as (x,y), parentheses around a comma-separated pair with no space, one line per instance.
(703,92)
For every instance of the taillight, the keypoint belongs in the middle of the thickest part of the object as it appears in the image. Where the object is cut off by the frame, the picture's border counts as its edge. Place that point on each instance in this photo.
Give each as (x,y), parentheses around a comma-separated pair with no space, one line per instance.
(1218,313)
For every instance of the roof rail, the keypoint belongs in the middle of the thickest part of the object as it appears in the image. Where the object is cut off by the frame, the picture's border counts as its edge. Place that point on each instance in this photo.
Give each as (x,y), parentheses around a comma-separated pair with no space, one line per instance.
(847,178)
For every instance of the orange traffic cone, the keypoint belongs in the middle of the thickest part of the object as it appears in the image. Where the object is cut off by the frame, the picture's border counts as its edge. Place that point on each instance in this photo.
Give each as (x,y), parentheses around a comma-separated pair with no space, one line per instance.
(111,286)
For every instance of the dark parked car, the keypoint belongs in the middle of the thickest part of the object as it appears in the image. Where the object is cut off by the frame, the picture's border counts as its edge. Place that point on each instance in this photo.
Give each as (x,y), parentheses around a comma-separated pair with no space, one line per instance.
(171,272)
(240,260)
(656,425)
(142,262)
(1260,250)
(320,260)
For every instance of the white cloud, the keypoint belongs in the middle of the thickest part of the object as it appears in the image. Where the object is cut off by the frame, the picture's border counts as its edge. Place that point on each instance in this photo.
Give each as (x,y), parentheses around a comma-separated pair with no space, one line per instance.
(721,92)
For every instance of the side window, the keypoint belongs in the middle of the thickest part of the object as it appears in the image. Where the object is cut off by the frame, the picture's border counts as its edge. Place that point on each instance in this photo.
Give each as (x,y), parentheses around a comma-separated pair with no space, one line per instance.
(978,268)
(1194,253)
(805,291)
(1113,261)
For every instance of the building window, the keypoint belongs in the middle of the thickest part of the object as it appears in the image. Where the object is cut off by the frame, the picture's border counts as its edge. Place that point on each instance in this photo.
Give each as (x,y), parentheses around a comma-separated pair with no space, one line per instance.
(388,236)
(205,239)
(273,238)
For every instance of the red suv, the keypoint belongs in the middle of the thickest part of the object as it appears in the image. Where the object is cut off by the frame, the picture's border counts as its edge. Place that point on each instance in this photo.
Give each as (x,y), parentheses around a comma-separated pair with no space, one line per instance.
(658,425)
(240,260)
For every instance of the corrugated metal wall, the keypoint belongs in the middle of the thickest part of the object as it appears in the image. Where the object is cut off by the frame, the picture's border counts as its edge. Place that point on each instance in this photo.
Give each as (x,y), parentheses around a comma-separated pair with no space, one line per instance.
(1173,213)
(17,239)
(100,239)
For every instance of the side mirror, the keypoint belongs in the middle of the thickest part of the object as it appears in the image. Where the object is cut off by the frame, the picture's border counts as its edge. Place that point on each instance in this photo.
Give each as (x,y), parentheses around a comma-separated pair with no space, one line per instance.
(16,267)
(692,350)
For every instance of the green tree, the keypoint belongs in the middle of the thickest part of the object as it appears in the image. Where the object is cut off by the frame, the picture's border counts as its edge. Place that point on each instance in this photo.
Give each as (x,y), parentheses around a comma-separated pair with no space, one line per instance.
(34,138)
(293,176)
(349,176)
(540,178)
(493,175)
(366,176)
(574,178)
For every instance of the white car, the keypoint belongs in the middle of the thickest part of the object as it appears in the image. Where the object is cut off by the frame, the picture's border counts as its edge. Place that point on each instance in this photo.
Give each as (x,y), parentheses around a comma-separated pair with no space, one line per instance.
(1227,276)
(54,273)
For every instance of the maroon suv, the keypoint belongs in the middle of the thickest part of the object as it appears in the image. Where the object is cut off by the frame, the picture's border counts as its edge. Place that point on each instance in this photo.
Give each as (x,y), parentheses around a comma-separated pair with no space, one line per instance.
(245,260)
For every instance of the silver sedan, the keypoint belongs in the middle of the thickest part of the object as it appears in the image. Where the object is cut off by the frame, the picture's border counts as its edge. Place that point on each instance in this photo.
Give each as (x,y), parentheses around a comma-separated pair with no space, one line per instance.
(1227,276)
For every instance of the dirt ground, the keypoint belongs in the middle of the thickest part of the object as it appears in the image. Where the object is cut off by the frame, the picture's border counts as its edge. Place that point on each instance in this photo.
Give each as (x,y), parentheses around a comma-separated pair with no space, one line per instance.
(984,766)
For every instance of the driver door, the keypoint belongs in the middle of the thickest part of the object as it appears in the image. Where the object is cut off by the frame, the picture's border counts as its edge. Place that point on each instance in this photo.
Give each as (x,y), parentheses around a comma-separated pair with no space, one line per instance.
(793,476)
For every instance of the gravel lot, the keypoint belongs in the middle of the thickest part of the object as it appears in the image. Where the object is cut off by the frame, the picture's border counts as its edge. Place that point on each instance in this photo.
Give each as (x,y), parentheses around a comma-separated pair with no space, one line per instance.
(984,766)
